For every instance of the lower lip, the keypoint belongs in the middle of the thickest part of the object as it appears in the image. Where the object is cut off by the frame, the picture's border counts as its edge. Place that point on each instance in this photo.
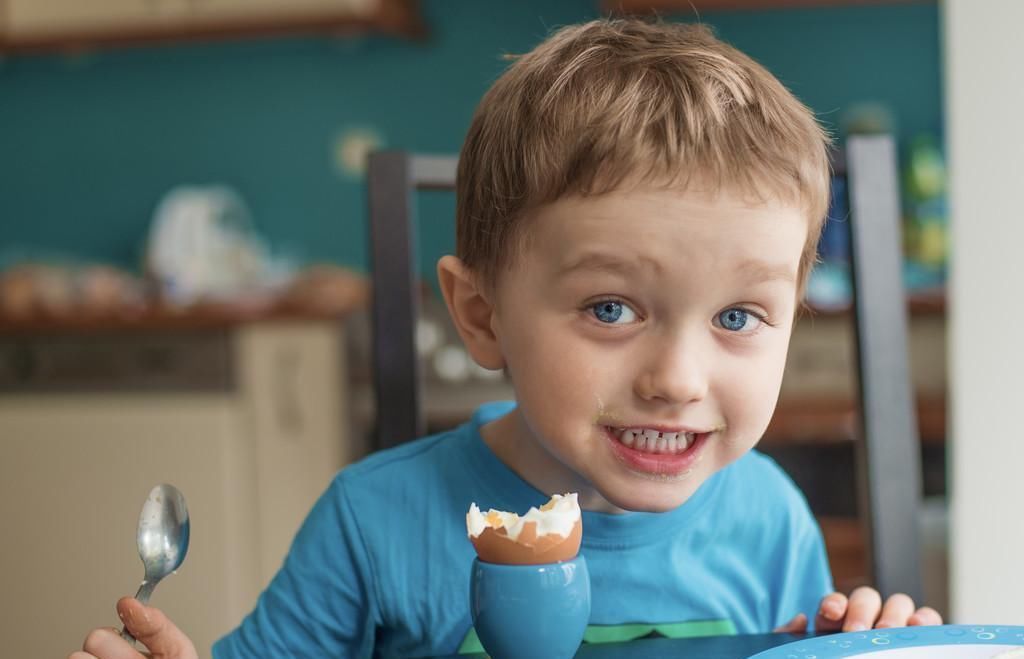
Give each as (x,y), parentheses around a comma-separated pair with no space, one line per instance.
(659,464)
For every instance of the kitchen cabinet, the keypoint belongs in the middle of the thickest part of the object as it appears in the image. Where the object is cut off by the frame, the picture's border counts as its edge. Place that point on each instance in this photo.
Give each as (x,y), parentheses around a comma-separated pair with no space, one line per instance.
(251,449)
(29,25)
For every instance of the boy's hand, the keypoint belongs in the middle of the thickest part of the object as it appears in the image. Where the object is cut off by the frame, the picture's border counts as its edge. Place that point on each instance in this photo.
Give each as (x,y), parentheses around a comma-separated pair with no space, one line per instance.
(864,610)
(150,626)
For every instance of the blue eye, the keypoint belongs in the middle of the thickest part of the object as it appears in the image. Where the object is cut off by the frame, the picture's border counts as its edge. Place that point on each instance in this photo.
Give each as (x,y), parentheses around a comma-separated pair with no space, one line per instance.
(612,312)
(736,320)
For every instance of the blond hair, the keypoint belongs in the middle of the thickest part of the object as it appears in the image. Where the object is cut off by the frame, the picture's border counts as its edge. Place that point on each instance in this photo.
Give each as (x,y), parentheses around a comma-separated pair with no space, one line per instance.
(611,102)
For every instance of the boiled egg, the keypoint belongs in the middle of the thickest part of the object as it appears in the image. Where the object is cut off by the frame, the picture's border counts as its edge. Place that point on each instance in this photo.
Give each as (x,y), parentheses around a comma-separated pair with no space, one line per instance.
(549,534)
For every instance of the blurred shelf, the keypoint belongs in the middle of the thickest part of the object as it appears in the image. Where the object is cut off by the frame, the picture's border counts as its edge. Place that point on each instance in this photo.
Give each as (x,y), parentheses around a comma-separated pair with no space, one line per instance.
(444,405)
(805,420)
(160,319)
(29,26)
(796,420)
(691,6)
(207,317)
(920,304)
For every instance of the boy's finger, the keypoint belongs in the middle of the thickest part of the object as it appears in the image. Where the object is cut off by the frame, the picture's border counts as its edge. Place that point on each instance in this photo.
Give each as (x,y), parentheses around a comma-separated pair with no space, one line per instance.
(865,605)
(926,615)
(830,613)
(833,607)
(81,655)
(797,625)
(896,612)
(154,630)
(108,644)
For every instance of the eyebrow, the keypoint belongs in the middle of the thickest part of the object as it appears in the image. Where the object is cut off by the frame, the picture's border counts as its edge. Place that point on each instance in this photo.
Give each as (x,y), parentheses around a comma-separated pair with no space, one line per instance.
(760,271)
(603,262)
(763,271)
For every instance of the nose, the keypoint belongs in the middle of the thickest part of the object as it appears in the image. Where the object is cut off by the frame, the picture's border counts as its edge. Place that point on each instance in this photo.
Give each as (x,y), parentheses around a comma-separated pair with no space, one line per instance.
(674,372)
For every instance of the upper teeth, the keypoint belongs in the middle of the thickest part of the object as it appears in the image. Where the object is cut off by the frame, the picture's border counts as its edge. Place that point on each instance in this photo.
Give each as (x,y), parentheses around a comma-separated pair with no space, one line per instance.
(653,441)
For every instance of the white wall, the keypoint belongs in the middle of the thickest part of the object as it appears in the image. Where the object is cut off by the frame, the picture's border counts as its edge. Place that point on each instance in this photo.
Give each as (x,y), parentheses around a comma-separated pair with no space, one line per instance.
(985,132)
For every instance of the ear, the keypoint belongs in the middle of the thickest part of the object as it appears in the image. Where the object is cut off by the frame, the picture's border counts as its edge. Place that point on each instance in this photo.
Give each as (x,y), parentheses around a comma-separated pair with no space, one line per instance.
(471,310)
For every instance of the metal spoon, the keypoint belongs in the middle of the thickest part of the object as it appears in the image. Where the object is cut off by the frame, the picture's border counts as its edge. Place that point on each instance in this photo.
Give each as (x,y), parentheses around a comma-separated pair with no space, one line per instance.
(162,538)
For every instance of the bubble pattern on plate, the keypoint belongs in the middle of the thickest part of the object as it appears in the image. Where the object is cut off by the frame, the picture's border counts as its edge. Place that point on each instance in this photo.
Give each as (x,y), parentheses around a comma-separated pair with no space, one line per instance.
(857,643)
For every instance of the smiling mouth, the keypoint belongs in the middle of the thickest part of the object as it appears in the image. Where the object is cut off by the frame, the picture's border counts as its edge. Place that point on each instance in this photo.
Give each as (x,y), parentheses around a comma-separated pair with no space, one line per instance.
(649,440)
(657,452)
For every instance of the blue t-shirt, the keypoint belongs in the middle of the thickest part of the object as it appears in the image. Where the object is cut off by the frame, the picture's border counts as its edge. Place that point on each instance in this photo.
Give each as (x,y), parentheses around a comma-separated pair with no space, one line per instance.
(381,565)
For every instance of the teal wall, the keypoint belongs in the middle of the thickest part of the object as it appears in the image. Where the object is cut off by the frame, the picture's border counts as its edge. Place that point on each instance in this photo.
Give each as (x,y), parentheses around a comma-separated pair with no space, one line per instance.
(88,144)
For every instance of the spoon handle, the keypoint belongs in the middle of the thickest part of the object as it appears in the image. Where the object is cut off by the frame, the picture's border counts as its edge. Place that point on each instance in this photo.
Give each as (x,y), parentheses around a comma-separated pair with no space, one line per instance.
(145,590)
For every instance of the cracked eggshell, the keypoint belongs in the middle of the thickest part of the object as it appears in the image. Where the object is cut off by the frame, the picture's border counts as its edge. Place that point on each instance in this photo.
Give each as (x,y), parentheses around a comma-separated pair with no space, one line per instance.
(549,534)
(494,546)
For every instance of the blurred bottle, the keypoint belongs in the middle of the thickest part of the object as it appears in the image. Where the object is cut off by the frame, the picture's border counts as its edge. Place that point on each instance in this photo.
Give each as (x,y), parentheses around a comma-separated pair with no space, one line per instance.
(926,228)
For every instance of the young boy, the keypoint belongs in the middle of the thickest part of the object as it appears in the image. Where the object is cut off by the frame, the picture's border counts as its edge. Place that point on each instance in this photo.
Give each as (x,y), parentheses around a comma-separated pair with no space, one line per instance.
(638,209)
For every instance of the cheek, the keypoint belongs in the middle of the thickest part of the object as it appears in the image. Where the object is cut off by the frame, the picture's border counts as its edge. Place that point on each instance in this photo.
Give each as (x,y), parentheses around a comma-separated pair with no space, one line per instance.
(545,350)
(554,374)
(751,387)
(560,374)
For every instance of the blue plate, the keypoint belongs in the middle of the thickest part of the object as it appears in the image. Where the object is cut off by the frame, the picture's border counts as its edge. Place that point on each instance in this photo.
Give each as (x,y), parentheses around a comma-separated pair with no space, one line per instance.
(942,642)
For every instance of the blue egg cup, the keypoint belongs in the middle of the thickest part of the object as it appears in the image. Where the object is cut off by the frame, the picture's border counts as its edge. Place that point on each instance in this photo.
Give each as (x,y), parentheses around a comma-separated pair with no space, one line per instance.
(530,611)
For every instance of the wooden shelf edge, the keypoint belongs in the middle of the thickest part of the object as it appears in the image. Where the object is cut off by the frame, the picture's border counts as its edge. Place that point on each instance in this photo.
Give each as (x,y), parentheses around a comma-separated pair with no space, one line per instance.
(917,305)
(399,18)
(160,319)
(795,421)
(641,7)
(828,420)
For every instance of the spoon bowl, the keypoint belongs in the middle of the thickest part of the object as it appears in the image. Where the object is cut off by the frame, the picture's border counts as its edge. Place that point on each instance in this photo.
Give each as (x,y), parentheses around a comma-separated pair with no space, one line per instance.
(162,538)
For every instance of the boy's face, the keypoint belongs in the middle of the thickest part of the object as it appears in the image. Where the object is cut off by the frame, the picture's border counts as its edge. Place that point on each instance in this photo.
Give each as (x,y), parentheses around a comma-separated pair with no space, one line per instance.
(646,333)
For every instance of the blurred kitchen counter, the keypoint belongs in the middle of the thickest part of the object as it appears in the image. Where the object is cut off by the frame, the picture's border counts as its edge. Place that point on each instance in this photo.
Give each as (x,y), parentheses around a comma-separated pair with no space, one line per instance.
(48,299)
(165,318)
(246,410)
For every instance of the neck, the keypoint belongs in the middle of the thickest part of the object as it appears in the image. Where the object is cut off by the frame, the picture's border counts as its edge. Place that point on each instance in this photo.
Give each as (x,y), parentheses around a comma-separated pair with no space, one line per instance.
(512,441)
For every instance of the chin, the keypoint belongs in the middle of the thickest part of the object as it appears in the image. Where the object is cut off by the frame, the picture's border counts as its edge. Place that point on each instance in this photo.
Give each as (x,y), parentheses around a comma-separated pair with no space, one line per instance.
(654,498)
